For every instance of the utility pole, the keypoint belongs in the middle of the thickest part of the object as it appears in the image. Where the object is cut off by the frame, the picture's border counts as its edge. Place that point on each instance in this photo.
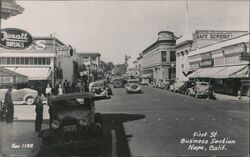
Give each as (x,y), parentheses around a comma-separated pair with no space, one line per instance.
(0,13)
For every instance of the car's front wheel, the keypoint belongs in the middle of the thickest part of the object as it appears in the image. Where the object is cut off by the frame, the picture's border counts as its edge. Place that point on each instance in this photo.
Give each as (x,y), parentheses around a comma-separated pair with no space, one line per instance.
(30,100)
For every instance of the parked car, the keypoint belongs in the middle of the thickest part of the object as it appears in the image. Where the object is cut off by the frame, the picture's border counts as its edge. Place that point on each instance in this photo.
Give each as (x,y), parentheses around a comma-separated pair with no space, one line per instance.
(118,83)
(174,87)
(99,89)
(184,88)
(74,122)
(25,95)
(133,86)
(199,89)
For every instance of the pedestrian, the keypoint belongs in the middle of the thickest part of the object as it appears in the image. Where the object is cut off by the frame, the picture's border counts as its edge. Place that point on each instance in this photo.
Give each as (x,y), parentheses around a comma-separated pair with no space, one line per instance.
(51,109)
(9,105)
(48,90)
(69,87)
(39,112)
(65,86)
(60,90)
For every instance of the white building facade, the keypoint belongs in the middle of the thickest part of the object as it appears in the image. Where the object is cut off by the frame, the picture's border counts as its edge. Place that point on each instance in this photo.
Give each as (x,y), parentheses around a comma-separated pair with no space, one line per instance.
(159,58)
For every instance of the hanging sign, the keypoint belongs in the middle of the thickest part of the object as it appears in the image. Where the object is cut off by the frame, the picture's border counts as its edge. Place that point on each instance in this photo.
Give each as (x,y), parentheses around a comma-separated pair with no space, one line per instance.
(13,38)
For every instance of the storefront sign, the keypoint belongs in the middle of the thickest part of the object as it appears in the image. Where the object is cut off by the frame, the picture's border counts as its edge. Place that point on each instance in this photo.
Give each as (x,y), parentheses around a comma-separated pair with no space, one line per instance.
(212,35)
(206,63)
(63,51)
(234,49)
(6,79)
(206,56)
(13,38)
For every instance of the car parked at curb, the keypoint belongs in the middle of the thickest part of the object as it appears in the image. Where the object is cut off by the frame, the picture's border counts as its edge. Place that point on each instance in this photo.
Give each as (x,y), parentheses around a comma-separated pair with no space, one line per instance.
(74,122)
(199,89)
(25,95)
(184,88)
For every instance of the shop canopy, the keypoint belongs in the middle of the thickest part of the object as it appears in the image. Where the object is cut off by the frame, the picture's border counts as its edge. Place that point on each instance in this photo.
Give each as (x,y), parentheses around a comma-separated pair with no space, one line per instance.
(33,73)
(239,71)
(8,76)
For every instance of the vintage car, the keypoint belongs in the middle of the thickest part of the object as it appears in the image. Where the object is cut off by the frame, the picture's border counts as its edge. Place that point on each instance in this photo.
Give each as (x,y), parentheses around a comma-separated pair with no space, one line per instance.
(74,122)
(24,95)
(198,89)
(100,89)
(184,88)
(118,83)
(133,86)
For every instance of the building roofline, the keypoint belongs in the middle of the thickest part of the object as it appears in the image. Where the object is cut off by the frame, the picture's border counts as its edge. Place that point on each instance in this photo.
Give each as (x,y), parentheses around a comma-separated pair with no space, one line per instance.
(49,38)
(89,53)
(156,43)
(184,42)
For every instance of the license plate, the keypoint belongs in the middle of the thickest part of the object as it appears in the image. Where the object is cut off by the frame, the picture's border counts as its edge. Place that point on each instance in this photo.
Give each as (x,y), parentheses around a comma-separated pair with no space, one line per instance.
(69,128)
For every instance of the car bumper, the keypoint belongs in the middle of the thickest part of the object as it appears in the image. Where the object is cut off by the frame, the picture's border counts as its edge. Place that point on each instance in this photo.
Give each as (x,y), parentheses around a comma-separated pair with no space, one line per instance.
(134,90)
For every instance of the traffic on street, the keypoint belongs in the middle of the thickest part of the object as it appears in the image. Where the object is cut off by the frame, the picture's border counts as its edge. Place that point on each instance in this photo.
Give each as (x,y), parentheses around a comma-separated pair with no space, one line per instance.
(156,122)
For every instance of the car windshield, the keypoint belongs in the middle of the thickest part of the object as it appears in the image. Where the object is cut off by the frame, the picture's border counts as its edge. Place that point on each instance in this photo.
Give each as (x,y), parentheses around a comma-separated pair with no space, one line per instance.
(99,84)
(203,84)
(76,103)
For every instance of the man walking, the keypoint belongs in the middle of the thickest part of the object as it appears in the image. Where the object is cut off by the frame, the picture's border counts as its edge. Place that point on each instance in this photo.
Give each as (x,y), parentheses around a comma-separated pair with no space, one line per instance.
(9,104)
(39,112)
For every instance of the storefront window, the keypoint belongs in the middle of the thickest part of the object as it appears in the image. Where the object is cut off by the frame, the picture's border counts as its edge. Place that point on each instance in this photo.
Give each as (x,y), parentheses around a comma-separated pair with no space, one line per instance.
(44,61)
(22,60)
(31,61)
(13,60)
(35,61)
(39,61)
(17,60)
(8,60)
(26,61)
(48,61)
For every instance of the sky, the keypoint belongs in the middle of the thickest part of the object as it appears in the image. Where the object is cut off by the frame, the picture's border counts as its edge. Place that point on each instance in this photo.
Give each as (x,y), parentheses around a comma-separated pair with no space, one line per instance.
(119,28)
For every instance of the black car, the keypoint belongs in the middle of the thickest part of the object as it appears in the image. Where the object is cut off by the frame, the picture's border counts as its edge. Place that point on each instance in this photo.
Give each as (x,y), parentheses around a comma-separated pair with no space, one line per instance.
(74,121)
(118,83)
(184,88)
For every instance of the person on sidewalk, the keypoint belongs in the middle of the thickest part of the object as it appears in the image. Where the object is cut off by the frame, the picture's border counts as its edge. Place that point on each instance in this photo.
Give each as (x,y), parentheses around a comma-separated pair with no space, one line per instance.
(39,112)
(9,105)
(49,103)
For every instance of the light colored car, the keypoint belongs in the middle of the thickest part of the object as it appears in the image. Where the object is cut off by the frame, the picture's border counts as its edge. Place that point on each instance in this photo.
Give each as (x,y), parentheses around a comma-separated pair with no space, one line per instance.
(99,89)
(133,86)
(199,89)
(25,95)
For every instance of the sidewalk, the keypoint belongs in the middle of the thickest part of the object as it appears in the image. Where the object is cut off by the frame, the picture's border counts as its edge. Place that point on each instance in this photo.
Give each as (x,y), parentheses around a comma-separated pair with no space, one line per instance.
(231,98)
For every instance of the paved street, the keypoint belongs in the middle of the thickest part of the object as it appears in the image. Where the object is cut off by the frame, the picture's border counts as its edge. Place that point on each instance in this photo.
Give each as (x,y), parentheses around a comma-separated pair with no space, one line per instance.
(155,123)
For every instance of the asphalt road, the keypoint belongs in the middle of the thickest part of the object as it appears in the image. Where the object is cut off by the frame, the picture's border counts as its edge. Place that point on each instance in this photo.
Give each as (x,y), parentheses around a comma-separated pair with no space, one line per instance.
(154,123)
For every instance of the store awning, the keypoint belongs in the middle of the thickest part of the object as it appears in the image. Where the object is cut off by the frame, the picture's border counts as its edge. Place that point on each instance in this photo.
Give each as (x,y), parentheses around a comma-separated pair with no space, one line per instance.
(240,71)
(8,76)
(146,75)
(33,73)
(195,73)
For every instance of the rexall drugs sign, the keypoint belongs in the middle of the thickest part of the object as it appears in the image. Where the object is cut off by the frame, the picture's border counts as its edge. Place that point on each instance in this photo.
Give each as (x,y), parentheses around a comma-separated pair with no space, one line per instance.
(13,38)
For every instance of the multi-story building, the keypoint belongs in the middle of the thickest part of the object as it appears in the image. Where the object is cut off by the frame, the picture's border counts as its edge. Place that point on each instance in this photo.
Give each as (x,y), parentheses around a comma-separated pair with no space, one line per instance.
(158,59)
(41,62)
(221,64)
(196,40)
(91,59)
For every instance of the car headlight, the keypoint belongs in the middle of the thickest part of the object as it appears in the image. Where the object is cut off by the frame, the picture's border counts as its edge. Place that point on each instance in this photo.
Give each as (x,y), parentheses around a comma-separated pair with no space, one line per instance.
(83,122)
(139,88)
(55,124)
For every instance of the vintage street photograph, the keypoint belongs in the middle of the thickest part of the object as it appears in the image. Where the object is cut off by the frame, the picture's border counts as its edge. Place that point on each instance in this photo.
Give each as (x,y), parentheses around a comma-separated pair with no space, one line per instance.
(123,78)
